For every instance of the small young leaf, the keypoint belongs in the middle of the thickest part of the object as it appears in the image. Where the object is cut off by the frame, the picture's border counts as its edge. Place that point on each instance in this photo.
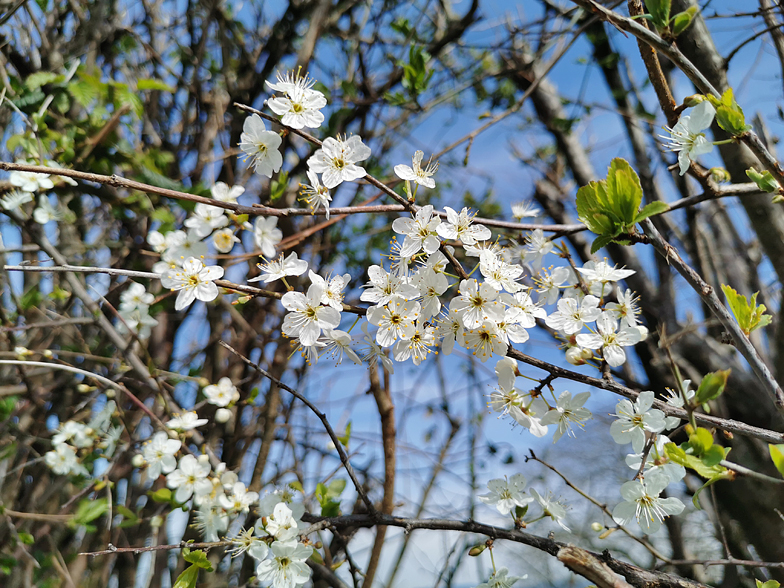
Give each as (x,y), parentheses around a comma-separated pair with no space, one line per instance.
(188,578)
(651,209)
(682,20)
(197,558)
(660,12)
(712,386)
(777,455)
(749,315)
(765,180)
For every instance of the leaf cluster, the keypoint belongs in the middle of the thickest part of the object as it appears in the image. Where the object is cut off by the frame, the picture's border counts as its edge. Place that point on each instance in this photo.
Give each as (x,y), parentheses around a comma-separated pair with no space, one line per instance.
(749,315)
(669,27)
(702,455)
(610,207)
(729,114)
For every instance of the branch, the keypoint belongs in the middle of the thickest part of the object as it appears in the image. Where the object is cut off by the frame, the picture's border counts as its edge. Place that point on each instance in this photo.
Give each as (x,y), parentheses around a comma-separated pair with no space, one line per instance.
(322,417)
(708,296)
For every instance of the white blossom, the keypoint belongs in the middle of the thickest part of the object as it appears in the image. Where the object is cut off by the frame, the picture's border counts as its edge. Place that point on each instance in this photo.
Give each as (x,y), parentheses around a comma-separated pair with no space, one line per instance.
(221,394)
(286,568)
(568,411)
(190,475)
(30,181)
(642,502)
(261,146)
(206,218)
(221,191)
(608,340)
(159,453)
(572,314)
(506,494)
(186,421)
(385,287)
(224,240)
(552,508)
(395,320)
(301,105)
(275,270)
(536,247)
(417,174)
(266,235)
(686,137)
(635,419)
(477,303)
(460,226)
(420,232)
(193,280)
(306,316)
(337,159)
(316,195)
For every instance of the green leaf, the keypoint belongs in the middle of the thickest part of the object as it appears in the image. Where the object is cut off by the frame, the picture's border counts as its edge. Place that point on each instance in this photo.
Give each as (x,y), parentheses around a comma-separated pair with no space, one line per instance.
(188,578)
(660,12)
(682,20)
(747,313)
(336,488)
(712,386)
(729,115)
(149,84)
(652,209)
(38,79)
(197,558)
(296,485)
(88,511)
(701,440)
(722,476)
(713,455)
(601,241)
(26,538)
(126,512)
(30,299)
(278,187)
(624,191)
(765,180)
(777,455)
(346,436)
(162,495)
(768,584)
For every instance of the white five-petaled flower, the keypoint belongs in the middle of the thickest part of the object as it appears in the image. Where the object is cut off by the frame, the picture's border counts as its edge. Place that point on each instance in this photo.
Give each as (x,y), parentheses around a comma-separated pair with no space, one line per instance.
(675,399)
(267,235)
(521,210)
(395,320)
(316,195)
(417,173)
(374,353)
(573,314)
(63,461)
(286,568)
(499,274)
(505,494)
(159,452)
(553,508)
(194,280)
(186,421)
(332,287)
(223,393)
(459,225)
(280,268)
(568,410)
(418,346)
(626,309)
(30,181)
(597,274)
(536,247)
(501,579)
(221,191)
(420,232)
(431,285)
(657,461)
(206,218)
(261,146)
(477,303)
(14,199)
(337,159)
(281,524)
(189,477)
(135,296)
(306,316)
(634,420)
(45,212)
(300,107)
(507,400)
(610,341)
(241,500)
(385,287)
(224,240)
(686,137)
(485,341)
(642,502)
(337,343)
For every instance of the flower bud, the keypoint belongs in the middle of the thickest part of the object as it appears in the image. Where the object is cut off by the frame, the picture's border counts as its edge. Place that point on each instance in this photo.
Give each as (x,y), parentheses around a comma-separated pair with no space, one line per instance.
(222,415)
(156,522)
(693,100)
(203,382)
(138,460)
(84,388)
(204,458)
(574,355)
(596,526)
(47,353)
(110,393)
(477,549)
(719,175)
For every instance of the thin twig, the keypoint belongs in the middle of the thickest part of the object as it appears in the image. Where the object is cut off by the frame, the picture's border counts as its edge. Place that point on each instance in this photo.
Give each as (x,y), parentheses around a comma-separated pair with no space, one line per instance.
(322,417)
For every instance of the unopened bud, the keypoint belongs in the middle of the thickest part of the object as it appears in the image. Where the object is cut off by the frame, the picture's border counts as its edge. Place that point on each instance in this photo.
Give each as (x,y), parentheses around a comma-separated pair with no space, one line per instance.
(597,526)
(477,550)
(156,522)
(204,458)
(138,460)
(693,100)
(84,388)
(203,382)
(110,393)
(719,175)
(222,415)
(574,355)
(47,353)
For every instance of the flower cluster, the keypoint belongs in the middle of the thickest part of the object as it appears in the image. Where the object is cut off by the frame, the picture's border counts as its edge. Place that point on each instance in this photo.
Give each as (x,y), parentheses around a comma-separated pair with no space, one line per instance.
(508,496)
(76,445)
(134,310)
(639,424)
